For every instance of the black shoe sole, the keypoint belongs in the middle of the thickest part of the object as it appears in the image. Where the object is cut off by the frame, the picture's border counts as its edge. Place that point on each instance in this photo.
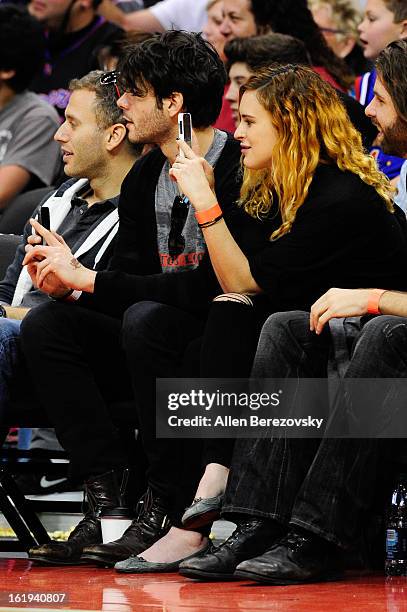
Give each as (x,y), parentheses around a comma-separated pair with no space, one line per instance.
(208,576)
(245,575)
(95,560)
(47,561)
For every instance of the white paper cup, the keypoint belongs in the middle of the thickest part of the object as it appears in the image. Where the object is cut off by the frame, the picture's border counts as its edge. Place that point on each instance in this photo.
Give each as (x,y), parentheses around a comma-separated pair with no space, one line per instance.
(114,523)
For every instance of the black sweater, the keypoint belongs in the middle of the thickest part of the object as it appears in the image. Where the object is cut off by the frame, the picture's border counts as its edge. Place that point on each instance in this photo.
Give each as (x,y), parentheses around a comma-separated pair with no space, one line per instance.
(343,236)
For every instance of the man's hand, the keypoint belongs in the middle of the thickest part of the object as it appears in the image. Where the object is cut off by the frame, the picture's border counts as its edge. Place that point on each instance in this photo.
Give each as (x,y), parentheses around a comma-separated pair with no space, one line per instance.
(338,303)
(53,268)
(51,284)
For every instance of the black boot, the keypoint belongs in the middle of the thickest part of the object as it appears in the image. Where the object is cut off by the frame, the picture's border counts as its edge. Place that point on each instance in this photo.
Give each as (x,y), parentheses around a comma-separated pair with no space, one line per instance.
(101,492)
(151,524)
(251,537)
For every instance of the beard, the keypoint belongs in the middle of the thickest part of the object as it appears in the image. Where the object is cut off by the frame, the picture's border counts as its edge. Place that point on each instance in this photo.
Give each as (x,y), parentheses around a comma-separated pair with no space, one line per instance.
(151,128)
(394,140)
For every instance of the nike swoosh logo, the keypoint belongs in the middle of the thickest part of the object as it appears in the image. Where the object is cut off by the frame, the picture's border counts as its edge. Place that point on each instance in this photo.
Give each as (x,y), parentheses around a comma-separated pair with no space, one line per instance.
(45,483)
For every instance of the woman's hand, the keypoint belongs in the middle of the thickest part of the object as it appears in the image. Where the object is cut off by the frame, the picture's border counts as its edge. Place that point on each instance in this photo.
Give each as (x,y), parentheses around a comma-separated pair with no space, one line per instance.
(338,303)
(194,176)
(53,268)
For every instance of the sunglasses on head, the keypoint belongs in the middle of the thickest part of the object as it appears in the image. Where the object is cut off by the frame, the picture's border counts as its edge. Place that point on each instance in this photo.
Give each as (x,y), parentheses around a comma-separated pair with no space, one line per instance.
(179,213)
(111,78)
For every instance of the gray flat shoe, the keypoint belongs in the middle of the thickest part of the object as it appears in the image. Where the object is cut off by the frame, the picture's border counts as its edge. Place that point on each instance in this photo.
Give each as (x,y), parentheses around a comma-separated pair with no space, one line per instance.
(202,511)
(138,565)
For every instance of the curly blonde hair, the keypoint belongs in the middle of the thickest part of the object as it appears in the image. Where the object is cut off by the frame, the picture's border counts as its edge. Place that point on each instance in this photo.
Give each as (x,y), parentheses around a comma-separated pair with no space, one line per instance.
(344,15)
(312,127)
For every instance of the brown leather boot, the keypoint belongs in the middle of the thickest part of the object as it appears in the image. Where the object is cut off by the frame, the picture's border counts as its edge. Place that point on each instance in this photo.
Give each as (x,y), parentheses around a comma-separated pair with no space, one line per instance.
(101,492)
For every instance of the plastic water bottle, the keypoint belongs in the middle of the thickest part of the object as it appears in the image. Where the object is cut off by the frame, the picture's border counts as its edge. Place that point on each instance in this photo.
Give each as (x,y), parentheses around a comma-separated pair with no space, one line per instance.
(396,533)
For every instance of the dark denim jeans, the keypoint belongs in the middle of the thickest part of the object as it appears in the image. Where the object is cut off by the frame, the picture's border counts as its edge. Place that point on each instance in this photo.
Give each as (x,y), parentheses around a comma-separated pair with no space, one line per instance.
(381,349)
(9,357)
(321,485)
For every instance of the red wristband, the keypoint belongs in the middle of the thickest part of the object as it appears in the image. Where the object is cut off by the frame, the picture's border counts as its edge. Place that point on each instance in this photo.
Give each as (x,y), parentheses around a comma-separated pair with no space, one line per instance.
(210,214)
(373,301)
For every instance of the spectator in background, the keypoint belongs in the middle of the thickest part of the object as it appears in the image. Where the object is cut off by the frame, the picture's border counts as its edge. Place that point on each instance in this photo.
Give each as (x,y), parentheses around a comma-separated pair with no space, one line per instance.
(186,15)
(212,33)
(338,21)
(244,18)
(211,29)
(73,34)
(246,56)
(29,157)
(239,20)
(109,55)
(385,21)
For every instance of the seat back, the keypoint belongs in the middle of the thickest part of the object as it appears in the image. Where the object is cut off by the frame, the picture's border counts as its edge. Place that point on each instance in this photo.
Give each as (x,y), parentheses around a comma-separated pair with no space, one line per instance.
(14,218)
(8,245)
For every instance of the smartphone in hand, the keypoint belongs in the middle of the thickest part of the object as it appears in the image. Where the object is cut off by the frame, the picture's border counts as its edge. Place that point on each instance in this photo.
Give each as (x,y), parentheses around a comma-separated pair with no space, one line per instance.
(44,220)
(185,128)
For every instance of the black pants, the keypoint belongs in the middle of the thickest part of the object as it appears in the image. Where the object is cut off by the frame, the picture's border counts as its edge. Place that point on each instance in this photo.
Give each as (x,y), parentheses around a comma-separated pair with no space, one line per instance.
(77,368)
(80,360)
(228,349)
(321,485)
(163,341)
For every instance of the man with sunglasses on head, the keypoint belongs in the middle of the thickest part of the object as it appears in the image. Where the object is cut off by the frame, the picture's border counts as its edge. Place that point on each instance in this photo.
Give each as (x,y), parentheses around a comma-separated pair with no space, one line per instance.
(97,156)
(161,279)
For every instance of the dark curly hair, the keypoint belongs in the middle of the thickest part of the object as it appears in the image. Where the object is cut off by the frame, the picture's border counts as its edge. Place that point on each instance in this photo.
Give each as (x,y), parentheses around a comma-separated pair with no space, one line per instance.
(293,17)
(22,45)
(177,61)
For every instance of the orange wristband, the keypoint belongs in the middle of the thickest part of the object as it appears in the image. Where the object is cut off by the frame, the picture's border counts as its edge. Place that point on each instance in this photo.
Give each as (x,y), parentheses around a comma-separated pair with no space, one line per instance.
(208,215)
(373,301)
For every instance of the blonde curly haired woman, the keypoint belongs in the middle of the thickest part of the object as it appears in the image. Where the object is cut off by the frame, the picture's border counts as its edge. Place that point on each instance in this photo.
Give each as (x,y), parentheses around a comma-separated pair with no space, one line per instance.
(329,220)
(315,209)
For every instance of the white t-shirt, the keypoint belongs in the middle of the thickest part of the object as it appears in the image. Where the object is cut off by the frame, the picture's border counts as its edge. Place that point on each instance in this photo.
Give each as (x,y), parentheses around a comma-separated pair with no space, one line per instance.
(189,15)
